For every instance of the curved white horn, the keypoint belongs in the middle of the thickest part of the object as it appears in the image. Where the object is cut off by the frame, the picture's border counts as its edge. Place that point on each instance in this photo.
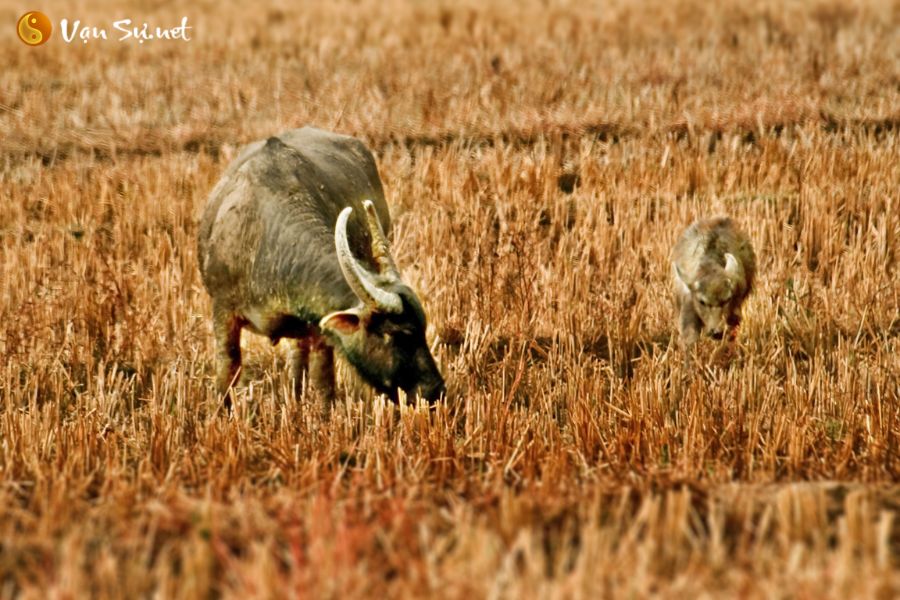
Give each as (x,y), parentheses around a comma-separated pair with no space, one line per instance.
(358,278)
(733,268)
(679,280)
(381,249)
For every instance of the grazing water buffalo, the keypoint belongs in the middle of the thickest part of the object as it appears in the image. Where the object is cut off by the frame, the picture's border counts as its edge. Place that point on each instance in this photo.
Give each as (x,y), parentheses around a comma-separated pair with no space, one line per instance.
(291,245)
(713,267)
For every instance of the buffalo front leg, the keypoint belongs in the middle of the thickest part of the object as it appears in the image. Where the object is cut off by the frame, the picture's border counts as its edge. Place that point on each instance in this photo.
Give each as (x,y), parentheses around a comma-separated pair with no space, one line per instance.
(227,327)
(312,360)
(321,370)
(299,364)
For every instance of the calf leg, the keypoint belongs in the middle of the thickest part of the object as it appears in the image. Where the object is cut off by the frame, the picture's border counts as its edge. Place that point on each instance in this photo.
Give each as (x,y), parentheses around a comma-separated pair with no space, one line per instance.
(734,321)
(689,325)
(227,328)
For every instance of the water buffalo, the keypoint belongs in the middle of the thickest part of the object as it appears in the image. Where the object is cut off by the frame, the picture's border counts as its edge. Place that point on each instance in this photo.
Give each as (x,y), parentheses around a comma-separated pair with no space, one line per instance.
(713,268)
(291,245)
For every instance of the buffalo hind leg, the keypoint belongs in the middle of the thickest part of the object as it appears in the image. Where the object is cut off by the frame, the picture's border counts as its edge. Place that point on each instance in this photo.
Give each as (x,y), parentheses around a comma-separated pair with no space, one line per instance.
(227,328)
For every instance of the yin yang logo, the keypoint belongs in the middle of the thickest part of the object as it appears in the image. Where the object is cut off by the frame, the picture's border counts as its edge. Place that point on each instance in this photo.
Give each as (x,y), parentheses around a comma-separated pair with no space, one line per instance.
(34,28)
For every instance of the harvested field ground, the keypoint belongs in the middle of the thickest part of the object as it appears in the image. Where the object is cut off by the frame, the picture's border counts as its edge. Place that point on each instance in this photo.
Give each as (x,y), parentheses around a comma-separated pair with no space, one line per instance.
(540,159)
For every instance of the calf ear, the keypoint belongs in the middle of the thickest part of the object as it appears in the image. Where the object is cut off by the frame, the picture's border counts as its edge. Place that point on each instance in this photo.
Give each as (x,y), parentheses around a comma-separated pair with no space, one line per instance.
(679,281)
(342,322)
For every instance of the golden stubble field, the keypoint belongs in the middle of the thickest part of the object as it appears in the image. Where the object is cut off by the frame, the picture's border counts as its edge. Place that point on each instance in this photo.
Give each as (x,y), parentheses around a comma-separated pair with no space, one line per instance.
(540,160)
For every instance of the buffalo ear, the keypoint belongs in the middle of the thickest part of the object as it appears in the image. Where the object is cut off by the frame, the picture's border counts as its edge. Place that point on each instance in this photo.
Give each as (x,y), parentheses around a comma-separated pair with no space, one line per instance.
(679,281)
(342,322)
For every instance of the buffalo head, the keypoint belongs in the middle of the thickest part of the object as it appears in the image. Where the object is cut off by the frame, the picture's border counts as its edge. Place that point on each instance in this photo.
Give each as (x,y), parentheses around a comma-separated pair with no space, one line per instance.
(384,336)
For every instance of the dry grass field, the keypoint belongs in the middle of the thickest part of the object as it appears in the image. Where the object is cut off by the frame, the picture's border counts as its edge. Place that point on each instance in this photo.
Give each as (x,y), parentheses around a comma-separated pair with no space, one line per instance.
(540,159)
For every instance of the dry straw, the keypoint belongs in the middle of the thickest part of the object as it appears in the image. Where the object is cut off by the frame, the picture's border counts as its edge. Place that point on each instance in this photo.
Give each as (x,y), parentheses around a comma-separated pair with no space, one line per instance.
(539,161)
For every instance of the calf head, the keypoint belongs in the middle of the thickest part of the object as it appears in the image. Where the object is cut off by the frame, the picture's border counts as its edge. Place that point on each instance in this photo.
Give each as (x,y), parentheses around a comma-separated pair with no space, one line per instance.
(384,336)
(712,293)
